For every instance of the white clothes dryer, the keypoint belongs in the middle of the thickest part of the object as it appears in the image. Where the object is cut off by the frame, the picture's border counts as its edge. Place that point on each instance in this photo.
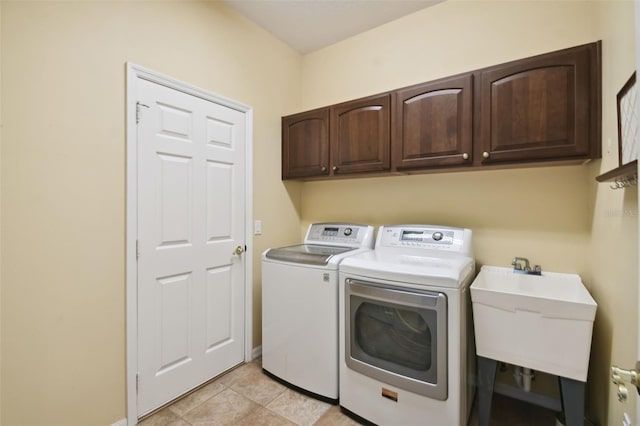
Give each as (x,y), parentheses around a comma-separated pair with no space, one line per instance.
(300,306)
(406,346)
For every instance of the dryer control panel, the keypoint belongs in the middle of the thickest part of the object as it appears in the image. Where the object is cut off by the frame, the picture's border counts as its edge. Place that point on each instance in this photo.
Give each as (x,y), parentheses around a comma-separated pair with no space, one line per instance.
(431,237)
(350,234)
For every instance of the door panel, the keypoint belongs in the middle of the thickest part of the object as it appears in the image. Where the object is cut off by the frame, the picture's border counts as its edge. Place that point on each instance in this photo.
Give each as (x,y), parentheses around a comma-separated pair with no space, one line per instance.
(433,124)
(533,107)
(190,219)
(174,321)
(219,187)
(219,133)
(360,135)
(175,200)
(305,144)
(539,108)
(218,304)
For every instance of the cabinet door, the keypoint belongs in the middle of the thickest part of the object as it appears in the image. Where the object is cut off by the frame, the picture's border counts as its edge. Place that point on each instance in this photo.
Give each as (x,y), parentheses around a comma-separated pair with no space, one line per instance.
(545,107)
(433,124)
(360,135)
(305,144)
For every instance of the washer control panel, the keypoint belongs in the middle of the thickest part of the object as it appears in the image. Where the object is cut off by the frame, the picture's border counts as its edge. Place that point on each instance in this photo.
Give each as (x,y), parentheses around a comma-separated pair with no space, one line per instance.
(340,233)
(429,237)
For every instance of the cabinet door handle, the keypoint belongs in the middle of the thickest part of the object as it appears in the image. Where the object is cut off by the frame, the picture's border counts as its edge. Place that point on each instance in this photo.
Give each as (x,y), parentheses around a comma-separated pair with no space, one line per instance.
(335,168)
(324,169)
(485,154)
(465,156)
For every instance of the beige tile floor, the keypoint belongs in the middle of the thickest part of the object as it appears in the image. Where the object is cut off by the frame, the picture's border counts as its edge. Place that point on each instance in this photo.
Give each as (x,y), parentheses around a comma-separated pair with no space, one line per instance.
(247,397)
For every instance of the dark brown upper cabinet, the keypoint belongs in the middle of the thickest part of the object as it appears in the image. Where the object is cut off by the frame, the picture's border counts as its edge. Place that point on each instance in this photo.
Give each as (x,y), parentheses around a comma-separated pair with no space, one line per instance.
(541,108)
(433,125)
(360,135)
(305,144)
(544,109)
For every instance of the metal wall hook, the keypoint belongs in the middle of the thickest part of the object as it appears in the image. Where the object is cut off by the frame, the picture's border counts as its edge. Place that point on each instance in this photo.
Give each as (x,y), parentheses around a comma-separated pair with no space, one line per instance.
(624,182)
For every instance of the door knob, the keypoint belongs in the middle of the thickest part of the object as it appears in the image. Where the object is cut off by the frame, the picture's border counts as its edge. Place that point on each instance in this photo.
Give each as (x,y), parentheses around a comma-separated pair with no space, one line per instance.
(239,250)
(486,154)
(620,377)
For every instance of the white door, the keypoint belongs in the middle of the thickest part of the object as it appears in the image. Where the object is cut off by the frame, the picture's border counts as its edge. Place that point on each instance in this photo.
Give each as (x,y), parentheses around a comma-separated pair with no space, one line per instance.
(190,241)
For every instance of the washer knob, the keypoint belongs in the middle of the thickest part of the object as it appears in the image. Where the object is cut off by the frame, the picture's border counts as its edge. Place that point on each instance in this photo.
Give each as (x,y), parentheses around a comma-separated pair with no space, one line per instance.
(437,236)
(347,231)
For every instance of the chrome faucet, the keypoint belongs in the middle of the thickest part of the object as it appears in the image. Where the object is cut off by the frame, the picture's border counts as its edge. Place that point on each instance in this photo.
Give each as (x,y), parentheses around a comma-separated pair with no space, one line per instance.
(517,267)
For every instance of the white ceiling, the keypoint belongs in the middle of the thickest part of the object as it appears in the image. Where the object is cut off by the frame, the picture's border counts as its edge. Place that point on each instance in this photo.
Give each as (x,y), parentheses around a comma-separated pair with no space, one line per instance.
(308,25)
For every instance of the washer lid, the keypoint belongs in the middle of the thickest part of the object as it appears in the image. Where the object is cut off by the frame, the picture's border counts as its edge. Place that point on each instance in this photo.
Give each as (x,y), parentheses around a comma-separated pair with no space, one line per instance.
(308,254)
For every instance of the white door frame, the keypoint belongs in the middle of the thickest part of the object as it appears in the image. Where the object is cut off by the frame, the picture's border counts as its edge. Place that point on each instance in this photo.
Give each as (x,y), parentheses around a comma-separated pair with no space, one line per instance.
(134,72)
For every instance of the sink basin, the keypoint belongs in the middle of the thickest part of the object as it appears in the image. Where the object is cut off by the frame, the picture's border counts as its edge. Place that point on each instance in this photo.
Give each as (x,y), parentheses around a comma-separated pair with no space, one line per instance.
(543,322)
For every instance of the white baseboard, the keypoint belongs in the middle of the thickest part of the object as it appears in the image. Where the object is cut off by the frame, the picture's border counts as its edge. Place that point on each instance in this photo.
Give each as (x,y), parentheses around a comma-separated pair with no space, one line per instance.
(121,422)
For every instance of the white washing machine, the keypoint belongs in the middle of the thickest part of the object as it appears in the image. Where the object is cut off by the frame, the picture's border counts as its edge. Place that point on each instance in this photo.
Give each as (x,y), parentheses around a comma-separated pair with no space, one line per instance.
(406,342)
(300,306)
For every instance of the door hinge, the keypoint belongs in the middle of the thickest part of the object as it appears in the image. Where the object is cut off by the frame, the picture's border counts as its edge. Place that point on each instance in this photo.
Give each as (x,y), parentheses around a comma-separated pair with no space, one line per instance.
(137,382)
(137,249)
(138,113)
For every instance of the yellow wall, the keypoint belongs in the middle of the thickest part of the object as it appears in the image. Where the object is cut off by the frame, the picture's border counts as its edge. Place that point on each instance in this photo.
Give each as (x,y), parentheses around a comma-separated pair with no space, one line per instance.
(614,227)
(63,181)
(448,38)
(559,217)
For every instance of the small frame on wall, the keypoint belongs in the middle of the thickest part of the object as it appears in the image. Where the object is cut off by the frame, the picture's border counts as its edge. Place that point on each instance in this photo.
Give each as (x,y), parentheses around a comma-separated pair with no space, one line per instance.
(628,131)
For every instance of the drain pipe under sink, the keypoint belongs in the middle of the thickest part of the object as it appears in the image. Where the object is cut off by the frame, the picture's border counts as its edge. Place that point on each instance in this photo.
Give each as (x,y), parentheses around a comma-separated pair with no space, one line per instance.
(523,377)
(517,375)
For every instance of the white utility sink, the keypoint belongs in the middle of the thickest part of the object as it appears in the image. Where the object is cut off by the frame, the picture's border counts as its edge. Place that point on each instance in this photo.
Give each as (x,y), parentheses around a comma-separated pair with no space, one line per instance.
(543,322)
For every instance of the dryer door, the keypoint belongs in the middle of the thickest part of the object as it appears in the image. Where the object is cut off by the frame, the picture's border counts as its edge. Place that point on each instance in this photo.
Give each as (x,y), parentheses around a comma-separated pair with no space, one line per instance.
(397,336)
